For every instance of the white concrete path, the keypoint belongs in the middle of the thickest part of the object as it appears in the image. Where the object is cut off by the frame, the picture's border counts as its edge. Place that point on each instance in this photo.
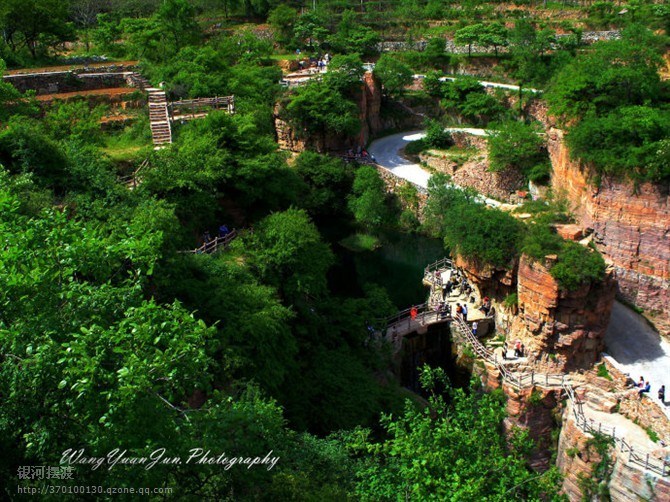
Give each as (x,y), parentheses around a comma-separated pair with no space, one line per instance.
(387,153)
(635,348)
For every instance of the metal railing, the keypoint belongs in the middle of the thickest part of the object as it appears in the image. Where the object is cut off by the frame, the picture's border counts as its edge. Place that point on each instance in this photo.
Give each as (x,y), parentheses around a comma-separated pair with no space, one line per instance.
(523,380)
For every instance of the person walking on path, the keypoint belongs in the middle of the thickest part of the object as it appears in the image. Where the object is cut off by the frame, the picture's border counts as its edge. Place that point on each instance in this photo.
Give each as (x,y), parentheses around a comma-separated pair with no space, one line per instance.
(661,394)
(465,312)
(413,313)
(474,328)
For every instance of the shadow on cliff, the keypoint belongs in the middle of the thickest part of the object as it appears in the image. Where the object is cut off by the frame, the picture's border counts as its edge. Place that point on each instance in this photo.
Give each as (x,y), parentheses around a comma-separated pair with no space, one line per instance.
(630,339)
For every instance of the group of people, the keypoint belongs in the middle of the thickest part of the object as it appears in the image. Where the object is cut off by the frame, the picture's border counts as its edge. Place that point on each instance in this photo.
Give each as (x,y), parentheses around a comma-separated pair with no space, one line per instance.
(361,154)
(519,349)
(223,231)
(644,387)
(318,63)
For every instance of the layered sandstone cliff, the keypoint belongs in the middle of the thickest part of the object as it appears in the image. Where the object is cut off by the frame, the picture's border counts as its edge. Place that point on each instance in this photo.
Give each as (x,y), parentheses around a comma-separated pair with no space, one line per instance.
(566,328)
(631,227)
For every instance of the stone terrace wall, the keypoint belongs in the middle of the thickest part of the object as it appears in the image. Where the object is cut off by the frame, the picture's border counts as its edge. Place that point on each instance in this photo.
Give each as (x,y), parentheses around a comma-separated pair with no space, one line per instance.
(66,81)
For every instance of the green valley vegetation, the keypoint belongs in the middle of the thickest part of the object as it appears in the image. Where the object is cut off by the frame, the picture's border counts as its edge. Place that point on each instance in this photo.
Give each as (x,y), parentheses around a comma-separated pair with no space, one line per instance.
(617,106)
(494,237)
(115,335)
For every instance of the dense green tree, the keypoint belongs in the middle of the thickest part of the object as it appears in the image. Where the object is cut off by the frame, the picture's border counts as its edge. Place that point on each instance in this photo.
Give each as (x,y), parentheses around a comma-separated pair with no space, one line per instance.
(345,72)
(469,35)
(287,251)
(25,147)
(368,198)
(13,102)
(515,145)
(35,25)
(310,29)
(615,73)
(328,180)
(624,142)
(466,98)
(468,227)
(318,109)
(283,20)
(75,121)
(351,36)
(449,452)
(494,35)
(393,74)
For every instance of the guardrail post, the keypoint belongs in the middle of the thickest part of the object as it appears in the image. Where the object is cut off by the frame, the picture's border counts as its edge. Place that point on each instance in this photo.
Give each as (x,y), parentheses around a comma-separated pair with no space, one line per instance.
(600,426)
(546,379)
(630,453)
(532,377)
(646,462)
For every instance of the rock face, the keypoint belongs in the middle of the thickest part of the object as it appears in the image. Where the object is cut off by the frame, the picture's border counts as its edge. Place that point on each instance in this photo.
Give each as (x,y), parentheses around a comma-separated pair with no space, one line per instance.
(567,326)
(631,229)
(532,409)
(369,106)
(577,458)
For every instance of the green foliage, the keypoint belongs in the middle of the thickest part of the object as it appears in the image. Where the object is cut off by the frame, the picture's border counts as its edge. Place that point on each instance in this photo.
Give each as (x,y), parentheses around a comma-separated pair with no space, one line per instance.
(368,198)
(468,227)
(283,20)
(413,462)
(597,485)
(466,96)
(345,73)
(393,75)
(353,37)
(577,265)
(535,398)
(319,109)
(614,74)
(604,372)
(75,121)
(328,179)
(310,29)
(511,300)
(516,145)
(437,136)
(11,100)
(26,148)
(630,141)
(35,25)
(288,252)
(653,435)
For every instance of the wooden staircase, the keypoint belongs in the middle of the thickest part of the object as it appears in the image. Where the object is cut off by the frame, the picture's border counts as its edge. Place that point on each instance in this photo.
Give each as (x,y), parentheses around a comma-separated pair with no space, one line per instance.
(158,117)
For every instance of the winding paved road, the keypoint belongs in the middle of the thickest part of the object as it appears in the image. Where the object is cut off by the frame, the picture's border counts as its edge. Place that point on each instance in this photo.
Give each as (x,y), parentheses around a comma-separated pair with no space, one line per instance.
(387,152)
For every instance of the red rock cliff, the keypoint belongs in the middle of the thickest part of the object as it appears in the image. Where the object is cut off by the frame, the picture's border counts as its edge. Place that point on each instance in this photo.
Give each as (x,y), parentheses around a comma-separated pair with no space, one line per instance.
(631,228)
(567,325)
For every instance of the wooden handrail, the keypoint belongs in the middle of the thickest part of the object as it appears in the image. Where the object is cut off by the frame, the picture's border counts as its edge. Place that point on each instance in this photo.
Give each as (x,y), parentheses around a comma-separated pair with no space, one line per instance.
(216,244)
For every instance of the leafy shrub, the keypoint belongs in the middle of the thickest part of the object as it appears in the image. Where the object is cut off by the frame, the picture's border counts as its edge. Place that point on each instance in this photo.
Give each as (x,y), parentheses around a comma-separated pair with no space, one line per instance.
(468,227)
(604,372)
(577,265)
(437,136)
(518,146)
(628,141)
(511,300)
